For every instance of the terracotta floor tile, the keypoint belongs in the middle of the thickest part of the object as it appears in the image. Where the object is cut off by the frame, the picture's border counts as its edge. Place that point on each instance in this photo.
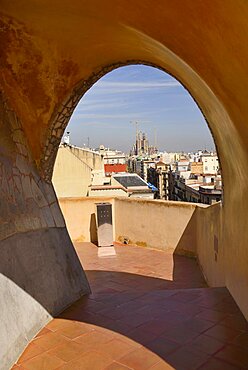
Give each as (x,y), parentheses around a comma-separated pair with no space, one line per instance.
(31,351)
(114,313)
(67,351)
(116,348)
(142,336)
(214,364)
(156,326)
(140,359)
(43,362)
(162,365)
(196,325)
(182,359)
(235,355)
(211,315)
(235,322)
(222,333)
(206,344)
(180,335)
(148,298)
(128,340)
(89,361)
(189,309)
(162,346)
(241,340)
(92,339)
(50,340)
(134,319)
(119,327)
(117,366)
(74,330)
(42,332)
(107,332)
(58,323)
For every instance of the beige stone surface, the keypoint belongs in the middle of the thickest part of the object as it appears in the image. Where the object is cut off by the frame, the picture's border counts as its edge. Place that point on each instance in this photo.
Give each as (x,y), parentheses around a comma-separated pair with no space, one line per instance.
(40,273)
(149,223)
(80,216)
(53,52)
(71,176)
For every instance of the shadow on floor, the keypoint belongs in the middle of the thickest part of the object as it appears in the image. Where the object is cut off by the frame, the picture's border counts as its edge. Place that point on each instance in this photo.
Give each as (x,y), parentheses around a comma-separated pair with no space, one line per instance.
(147,311)
(189,329)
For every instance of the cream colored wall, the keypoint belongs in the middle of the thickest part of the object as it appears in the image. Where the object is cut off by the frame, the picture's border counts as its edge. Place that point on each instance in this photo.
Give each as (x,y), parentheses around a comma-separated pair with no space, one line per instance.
(148,223)
(93,159)
(71,175)
(210,248)
(78,213)
(157,224)
(187,228)
(40,273)
(108,193)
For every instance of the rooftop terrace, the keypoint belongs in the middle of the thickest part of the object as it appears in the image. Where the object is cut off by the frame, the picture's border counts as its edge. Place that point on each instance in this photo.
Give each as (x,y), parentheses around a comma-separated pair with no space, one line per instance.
(148,309)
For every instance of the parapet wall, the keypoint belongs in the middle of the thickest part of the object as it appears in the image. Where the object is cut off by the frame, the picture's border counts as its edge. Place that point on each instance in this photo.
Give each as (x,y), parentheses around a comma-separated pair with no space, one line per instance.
(194,230)
(148,223)
(157,224)
(80,217)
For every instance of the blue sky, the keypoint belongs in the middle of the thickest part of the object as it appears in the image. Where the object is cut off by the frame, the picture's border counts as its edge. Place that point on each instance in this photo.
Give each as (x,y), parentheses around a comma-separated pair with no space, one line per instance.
(144,94)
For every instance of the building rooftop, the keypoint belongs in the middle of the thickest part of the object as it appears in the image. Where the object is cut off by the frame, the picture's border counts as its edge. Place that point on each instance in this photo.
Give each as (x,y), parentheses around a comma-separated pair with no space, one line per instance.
(130,180)
(107,187)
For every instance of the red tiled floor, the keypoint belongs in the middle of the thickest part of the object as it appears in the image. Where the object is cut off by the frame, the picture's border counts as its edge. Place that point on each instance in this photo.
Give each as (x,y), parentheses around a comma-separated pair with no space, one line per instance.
(32,351)
(234,355)
(161,366)
(148,310)
(140,359)
(186,360)
(67,352)
(88,361)
(242,340)
(50,340)
(117,366)
(206,344)
(74,330)
(43,361)
(214,364)
(222,332)
(116,348)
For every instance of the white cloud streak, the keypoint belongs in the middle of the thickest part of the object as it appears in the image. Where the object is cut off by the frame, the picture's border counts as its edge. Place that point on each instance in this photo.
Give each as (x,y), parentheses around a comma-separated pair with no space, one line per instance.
(147,84)
(108,116)
(127,87)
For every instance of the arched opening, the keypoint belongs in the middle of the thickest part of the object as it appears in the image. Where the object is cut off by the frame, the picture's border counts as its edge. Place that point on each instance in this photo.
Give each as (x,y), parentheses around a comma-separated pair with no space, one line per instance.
(139,274)
(173,128)
(45,70)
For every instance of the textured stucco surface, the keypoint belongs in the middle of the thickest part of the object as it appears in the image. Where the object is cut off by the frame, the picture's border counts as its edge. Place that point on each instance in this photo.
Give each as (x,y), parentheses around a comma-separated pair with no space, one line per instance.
(193,230)
(72,172)
(80,216)
(52,52)
(40,273)
(149,223)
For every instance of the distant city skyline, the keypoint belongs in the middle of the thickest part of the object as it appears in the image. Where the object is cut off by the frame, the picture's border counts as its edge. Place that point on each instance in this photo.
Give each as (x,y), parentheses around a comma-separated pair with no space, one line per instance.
(158,102)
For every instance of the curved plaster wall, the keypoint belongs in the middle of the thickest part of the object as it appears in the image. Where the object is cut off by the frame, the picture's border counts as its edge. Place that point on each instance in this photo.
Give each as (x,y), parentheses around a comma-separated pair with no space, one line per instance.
(40,274)
(51,53)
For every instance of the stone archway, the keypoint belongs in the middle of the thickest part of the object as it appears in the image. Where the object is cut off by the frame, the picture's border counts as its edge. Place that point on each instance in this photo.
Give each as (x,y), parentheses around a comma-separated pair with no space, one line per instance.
(54,52)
